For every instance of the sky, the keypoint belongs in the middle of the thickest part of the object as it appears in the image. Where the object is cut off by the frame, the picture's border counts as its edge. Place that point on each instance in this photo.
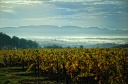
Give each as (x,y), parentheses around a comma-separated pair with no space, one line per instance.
(111,14)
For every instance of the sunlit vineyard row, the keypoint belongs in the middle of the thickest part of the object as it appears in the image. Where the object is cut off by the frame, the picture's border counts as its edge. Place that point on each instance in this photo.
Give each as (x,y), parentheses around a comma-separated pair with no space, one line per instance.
(101,65)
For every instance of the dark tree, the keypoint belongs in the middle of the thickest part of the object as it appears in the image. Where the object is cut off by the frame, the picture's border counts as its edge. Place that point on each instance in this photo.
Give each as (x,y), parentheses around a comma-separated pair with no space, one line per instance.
(15,42)
(81,46)
(5,40)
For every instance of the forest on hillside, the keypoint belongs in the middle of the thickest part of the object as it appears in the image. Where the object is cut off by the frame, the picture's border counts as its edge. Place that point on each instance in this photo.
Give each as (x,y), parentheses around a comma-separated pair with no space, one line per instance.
(7,42)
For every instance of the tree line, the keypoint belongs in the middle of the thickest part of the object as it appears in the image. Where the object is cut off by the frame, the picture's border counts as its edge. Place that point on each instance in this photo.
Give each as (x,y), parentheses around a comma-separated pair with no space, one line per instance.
(7,42)
(122,46)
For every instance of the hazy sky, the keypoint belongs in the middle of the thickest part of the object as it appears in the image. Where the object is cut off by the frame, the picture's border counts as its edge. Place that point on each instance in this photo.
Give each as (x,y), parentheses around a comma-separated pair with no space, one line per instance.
(111,14)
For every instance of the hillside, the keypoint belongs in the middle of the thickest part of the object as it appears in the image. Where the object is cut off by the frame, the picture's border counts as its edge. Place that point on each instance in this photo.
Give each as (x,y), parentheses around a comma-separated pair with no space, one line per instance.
(55,31)
(7,42)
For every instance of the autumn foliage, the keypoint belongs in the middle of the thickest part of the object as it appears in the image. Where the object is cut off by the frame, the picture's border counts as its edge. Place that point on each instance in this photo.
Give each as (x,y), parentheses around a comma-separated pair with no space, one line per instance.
(100,65)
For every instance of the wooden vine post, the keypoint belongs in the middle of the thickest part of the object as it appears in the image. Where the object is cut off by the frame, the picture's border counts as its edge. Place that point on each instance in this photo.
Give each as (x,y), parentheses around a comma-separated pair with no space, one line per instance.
(38,65)
(57,71)
(67,77)
(23,64)
(10,60)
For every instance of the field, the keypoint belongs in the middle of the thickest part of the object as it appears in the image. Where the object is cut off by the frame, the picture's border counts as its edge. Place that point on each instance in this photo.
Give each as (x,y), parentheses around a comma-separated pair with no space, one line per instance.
(64,66)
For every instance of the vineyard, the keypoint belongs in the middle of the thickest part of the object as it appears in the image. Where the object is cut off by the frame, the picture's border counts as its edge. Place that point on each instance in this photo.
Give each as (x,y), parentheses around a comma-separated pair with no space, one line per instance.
(72,66)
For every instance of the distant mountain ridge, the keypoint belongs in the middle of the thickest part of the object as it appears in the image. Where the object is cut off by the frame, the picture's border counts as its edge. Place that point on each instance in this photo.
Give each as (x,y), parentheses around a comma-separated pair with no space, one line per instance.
(51,30)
